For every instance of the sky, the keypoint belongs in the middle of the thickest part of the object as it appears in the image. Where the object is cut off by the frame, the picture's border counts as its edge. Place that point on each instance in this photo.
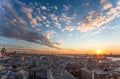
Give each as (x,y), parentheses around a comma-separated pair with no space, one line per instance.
(60,26)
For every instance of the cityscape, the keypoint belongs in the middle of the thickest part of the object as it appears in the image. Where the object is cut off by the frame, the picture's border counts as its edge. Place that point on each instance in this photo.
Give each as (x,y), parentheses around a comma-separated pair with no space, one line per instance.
(58,66)
(59,39)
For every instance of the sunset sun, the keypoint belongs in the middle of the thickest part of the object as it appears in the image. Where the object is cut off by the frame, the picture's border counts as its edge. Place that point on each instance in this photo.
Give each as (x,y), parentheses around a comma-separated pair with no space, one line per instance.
(99,51)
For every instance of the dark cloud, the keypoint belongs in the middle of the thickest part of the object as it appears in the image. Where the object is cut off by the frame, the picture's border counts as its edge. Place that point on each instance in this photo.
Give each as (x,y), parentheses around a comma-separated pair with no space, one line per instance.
(16,47)
(14,27)
(10,46)
(12,31)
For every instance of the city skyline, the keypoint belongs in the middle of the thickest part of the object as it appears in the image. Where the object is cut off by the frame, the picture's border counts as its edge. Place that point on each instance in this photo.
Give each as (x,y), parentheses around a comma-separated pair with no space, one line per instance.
(60,26)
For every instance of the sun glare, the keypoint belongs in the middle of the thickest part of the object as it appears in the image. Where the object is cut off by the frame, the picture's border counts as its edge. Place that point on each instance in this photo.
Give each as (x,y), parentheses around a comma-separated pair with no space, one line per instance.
(99,51)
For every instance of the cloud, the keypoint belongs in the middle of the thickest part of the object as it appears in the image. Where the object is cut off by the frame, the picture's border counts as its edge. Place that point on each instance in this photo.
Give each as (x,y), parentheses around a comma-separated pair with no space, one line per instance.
(98,31)
(49,34)
(18,32)
(44,17)
(10,46)
(10,28)
(111,15)
(43,8)
(28,12)
(102,1)
(60,42)
(11,10)
(113,27)
(38,18)
(55,7)
(118,3)
(19,2)
(67,20)
(106,4)
(95,20)
(70,34)
(69,28)
(83,28)
(66,7)
(89,22)
(55,20)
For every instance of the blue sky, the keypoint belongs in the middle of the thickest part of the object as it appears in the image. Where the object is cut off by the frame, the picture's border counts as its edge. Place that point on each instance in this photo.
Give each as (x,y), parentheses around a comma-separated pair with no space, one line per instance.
(59,24)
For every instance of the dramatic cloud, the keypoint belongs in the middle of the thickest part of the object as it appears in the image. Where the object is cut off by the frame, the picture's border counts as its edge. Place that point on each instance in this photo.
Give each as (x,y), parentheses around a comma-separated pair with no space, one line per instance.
(10,46)
(89,22)
(43,23)
(11,10)
(28,12)
(11,28)
(13,31)
(94,20)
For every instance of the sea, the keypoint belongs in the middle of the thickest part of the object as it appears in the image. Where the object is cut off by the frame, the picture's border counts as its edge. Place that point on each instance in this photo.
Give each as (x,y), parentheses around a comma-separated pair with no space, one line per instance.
(114,58)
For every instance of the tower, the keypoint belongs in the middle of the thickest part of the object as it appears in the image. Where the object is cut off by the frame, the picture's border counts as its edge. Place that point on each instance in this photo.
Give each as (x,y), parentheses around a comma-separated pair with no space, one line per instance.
(3,51)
